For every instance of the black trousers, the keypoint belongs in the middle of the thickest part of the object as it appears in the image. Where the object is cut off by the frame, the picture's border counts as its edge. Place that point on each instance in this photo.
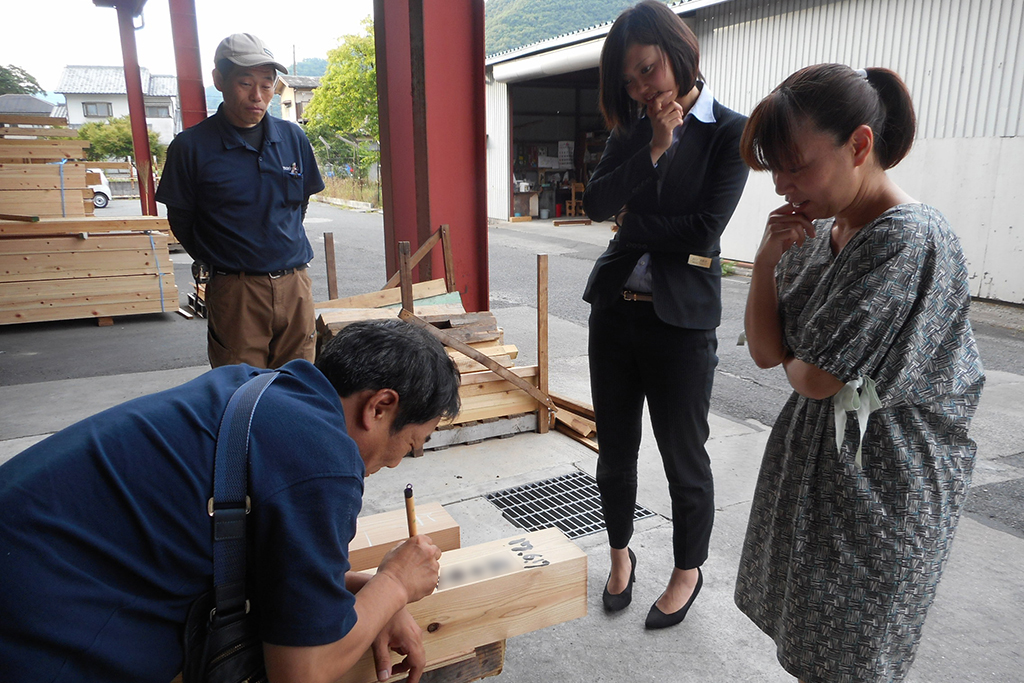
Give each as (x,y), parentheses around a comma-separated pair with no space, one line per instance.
(633,356)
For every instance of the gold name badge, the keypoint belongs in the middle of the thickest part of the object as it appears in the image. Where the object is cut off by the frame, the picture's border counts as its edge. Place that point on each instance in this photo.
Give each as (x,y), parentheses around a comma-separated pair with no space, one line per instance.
(699,261)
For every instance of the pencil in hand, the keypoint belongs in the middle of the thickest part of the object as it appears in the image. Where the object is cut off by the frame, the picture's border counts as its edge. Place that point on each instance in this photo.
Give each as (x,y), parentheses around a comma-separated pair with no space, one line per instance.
(410,511)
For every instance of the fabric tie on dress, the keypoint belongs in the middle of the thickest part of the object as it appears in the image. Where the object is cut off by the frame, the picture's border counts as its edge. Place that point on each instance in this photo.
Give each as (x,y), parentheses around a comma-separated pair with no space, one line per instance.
(858,395)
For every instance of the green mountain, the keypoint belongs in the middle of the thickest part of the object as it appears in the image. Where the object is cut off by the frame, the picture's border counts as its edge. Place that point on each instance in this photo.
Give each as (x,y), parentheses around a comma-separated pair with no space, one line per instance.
(509,24)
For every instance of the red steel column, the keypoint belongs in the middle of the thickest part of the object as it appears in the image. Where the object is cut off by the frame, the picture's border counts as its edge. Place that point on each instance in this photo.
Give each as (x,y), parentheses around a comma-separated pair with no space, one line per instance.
(430,87)
(185,35)
(137,109)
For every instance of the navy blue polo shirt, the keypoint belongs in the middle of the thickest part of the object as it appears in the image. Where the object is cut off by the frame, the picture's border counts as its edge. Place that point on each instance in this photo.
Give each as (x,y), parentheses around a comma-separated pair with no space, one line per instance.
(247,203)
(105,540)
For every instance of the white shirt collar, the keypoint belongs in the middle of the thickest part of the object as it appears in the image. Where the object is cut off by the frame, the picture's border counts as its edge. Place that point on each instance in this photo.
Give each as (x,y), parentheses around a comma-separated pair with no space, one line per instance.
(703,109)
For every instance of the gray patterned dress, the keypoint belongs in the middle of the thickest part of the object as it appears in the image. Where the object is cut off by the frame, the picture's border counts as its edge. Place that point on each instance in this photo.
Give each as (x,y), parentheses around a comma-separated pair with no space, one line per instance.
(844,549)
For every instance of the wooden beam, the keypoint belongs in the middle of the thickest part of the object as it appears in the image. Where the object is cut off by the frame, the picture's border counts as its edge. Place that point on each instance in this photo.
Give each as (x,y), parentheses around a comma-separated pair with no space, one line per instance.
(9,131)
(386,297)
(19,217)
(405,277)
(449,261)
(378,534)
(414,259)
(74,225)
(493,591)
(332,269)
(578,407)
(575,436)
(15,119)
(580,221)
(544,413)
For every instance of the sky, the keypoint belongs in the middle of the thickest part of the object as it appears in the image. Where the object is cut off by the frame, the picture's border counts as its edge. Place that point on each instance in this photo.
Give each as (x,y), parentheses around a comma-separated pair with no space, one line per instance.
(43,39)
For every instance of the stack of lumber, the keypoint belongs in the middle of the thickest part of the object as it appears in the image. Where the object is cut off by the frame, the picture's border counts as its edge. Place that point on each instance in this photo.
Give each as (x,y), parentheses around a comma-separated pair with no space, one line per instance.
(576,420)
(69,268)
(41,172)
(486,397)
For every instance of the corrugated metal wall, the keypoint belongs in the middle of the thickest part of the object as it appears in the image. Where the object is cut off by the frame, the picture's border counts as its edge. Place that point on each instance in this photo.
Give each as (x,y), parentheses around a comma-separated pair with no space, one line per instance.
(963,60)
(499,154)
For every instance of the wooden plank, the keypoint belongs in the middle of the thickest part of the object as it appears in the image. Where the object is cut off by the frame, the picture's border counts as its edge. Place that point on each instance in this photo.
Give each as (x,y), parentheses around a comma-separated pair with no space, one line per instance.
(405,277)
(577,423)
(15,119)
(52,202)
(494,591)
(491,383)
(486,377)
(495,405)
(386,297)
(90,310)
(331,320)
(483,662)
(332,269)
(74,225)
(572,434)
(578,407)
(489,349)
(378,534)
(449,260)
(19,217)
(579,221)
(414,260)
(9,132)
(464,364)
(544,412)
(459,320)
(45,294)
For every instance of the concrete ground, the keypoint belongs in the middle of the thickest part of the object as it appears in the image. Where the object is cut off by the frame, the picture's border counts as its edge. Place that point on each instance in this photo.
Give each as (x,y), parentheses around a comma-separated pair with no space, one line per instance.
(975,631)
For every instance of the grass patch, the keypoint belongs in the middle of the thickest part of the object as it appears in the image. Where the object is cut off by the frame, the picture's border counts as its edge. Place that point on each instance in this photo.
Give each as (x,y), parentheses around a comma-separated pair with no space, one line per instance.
(352,190)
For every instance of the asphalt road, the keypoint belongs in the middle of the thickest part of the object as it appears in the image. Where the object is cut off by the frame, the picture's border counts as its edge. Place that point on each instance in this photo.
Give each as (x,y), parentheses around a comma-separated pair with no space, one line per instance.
(41,352)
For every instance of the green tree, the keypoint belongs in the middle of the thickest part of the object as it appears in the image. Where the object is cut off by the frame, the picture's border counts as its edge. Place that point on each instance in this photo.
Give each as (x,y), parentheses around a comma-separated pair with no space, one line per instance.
(112,139)
(510,24)
(17,81)
(343,110)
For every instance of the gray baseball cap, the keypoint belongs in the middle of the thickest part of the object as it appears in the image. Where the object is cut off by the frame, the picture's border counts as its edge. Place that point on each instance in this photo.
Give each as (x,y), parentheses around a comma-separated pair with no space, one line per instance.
(245,49)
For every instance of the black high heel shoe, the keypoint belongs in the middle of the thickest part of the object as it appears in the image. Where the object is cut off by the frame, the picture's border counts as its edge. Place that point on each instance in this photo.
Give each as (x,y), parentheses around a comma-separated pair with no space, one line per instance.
(658,619)
(620,601)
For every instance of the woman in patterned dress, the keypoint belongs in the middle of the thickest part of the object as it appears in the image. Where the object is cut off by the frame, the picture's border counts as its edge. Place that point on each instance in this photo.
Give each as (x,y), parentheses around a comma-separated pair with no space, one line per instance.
(861,294)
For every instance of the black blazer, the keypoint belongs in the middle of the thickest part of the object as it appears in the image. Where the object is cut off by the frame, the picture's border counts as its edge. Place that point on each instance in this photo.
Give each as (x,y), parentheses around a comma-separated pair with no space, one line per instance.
(702,186)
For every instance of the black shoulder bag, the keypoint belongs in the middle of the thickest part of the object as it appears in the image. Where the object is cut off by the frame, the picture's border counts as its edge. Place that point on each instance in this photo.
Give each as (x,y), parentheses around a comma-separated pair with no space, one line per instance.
(222,643)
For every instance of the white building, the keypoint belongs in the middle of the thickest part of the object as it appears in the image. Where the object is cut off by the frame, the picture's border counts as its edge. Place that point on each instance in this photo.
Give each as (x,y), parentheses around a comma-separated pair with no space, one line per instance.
(961,59)
(98,93)
(296,93)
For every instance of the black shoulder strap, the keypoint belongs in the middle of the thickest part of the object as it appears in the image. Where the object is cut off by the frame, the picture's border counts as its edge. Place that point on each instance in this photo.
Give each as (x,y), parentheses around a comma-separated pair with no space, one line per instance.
(230,502)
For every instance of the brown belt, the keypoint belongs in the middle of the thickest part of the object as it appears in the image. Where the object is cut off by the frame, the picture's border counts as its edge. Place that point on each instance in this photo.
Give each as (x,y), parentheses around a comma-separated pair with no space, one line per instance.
(636,296)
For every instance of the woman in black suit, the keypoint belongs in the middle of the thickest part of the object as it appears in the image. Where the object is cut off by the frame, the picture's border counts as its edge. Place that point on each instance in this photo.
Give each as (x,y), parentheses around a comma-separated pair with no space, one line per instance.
(671,176)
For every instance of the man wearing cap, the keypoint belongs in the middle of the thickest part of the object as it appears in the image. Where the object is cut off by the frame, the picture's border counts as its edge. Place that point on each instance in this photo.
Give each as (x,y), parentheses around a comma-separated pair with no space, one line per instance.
(236,188)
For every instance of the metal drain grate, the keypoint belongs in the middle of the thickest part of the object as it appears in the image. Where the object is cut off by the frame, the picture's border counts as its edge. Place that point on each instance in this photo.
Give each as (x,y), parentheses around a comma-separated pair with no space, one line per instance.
(570,502)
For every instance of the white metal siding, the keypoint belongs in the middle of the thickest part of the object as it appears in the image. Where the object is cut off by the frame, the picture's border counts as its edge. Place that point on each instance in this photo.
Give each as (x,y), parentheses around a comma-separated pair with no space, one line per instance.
(963,60)
(499,154)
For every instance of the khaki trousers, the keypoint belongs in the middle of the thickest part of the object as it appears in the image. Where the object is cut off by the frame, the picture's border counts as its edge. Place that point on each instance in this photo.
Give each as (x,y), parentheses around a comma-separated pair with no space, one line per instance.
(260,320)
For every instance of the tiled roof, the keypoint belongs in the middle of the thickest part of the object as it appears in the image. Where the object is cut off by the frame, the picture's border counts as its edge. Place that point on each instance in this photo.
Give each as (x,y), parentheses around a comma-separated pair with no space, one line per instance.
(109,80)
(163,86)
(24,104)
(308,82)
